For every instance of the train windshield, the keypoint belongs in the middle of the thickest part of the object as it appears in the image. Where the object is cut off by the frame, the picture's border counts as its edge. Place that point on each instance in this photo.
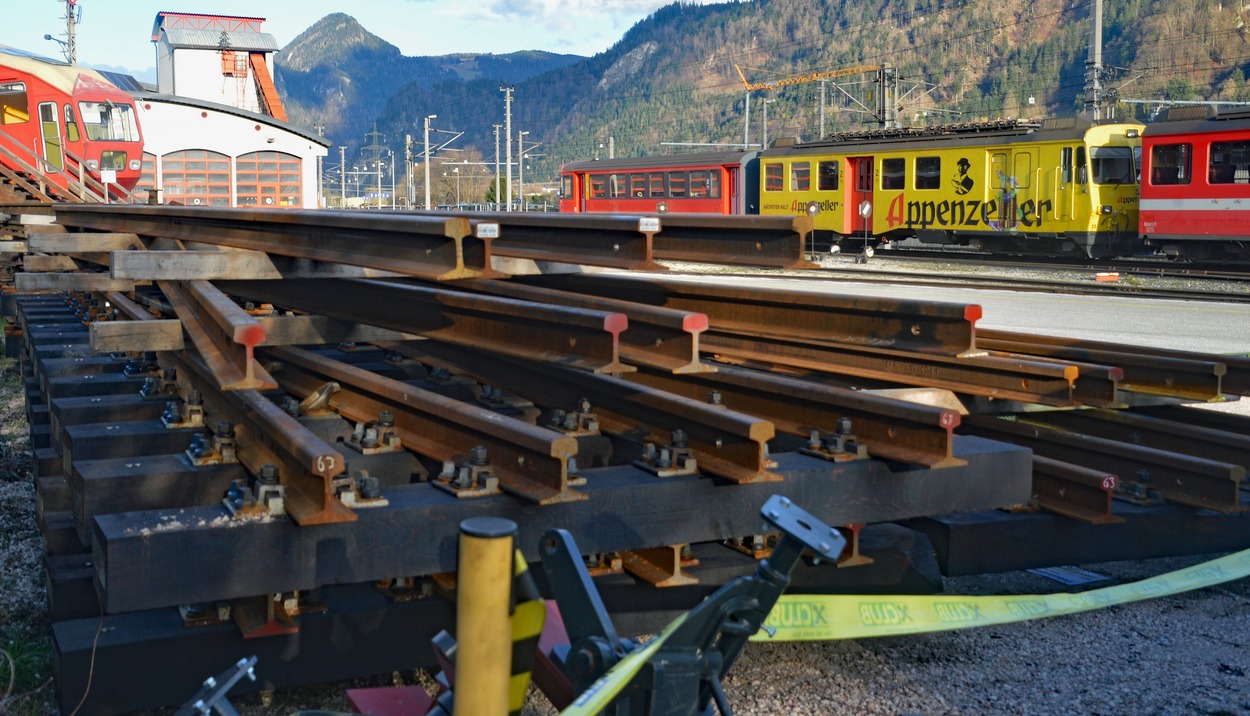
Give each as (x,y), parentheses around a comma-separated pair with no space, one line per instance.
(1113,165)
(109,122)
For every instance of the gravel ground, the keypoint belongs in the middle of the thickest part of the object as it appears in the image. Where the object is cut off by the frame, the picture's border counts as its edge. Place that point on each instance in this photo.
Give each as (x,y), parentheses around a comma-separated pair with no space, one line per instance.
(1176,655)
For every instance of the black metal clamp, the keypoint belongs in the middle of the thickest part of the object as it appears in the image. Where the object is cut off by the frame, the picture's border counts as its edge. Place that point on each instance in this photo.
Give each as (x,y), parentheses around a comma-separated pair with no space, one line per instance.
(683,677)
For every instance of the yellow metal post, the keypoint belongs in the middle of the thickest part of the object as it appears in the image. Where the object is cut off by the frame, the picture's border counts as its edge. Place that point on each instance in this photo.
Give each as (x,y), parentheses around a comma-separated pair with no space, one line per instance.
(483,625)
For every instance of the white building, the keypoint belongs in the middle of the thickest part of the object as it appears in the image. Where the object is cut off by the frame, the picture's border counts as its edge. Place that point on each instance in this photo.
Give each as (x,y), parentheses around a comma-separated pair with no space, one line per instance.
(214,129)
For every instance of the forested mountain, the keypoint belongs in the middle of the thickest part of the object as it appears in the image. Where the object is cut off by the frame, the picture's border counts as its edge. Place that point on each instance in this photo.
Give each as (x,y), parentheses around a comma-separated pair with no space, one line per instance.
(338,75)
(672,77)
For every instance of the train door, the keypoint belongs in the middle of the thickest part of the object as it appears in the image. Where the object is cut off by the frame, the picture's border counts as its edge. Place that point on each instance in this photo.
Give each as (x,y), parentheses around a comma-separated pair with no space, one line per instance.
(861,191)
(1011,179)
(50,129)
(731,200)
(1066,183)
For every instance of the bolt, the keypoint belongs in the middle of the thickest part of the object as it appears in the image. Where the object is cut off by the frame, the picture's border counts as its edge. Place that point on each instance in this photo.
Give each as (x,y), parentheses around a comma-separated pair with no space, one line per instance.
(368,486)
(225,429)
(478,456)
(557,418)
(194,398)
(679,438)
(665,459)
(173,412)
(572,469)
(714,397)
(386,419)
(583,405)
(844,426)
(196,611)
(813,440)
(268,474)
(170,374)
(370,439)
(1143,476)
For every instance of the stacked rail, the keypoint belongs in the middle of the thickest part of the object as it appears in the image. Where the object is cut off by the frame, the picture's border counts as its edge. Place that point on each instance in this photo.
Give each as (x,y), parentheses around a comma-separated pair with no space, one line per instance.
(256,430)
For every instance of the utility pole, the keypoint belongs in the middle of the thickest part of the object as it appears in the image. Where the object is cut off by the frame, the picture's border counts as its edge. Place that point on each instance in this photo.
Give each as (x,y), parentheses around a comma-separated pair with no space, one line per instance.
(507,113)
(407,171)
(71,19)
(342,177)
(746,124)
(520,167)
(321,200)
(497,127)
(822,108)
(1093,65)
(764,124)
(427,159)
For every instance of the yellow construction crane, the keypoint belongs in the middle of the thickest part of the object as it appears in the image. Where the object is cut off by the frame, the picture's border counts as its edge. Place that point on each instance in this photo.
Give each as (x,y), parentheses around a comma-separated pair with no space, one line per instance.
(800,79)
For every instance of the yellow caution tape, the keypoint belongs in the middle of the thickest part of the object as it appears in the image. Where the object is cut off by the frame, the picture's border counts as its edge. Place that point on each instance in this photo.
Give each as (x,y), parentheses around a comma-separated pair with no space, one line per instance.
(826,617)
(823,617)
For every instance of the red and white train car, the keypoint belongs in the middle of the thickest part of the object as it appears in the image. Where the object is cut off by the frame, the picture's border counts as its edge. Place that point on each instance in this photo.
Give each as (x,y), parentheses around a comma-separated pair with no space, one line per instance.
(706,183)
(1195,184)
(66,122)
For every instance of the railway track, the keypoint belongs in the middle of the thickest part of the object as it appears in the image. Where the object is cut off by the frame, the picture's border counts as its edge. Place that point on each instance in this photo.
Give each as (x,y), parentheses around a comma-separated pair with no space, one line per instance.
(256,429)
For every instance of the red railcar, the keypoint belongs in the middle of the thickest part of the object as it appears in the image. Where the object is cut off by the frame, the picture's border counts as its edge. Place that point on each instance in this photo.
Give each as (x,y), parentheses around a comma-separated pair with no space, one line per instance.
(1195,188)
(67,123)
(707,183)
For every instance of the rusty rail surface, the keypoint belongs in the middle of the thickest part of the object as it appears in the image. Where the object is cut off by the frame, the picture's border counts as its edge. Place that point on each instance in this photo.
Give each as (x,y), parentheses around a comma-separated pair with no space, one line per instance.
(222,333)
(1150,371)
(657,337)
(1180,478)
(434,248)
(725,442)
(921,326)
(890,429)
(571,336)
(1074,491)
(776,241)
(530,461)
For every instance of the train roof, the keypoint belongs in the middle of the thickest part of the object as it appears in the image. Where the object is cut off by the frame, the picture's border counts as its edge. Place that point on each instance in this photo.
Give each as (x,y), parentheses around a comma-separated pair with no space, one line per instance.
(1196,119)
(667,161)
(967,134)
(61,76)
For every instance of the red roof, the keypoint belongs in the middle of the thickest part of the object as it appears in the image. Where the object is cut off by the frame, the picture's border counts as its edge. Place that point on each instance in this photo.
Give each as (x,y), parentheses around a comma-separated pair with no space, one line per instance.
(196,21)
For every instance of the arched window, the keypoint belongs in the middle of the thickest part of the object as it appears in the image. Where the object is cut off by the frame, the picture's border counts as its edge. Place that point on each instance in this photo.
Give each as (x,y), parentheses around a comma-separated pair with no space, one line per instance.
(196,177)
(268,180)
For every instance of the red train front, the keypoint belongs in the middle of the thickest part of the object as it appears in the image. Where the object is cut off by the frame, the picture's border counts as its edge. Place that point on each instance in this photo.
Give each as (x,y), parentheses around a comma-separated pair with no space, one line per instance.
(67,122)
(1195,184)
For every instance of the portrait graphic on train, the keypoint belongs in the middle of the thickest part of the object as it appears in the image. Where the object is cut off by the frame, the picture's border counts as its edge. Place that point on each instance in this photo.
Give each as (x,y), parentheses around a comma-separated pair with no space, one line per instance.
(962,182)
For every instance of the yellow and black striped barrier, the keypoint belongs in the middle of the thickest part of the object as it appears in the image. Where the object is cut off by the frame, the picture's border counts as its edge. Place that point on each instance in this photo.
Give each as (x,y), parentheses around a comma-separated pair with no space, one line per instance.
(826,617)
(528,616)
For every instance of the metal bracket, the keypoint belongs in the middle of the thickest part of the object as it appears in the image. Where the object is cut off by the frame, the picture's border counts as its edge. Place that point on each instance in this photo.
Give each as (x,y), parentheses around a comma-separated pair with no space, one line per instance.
(221,449)
(669,460)
(842,446)
(211,698)
(581,422)
(188,414)
(470,478)
(361,490)
(375,436)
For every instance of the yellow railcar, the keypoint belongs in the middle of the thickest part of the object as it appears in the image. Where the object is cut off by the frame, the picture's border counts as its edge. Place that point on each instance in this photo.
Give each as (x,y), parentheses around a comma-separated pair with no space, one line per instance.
(1062,186)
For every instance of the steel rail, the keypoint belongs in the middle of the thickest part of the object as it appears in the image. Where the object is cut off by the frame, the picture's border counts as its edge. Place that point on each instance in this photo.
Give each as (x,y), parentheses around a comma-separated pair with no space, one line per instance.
(529,461)
(267,435)
(1074,491)
(922,326)
(891,429)
(988,376)
(773,241)
(1180,478)
(437,249)
(661,338)
(222,333)
(1169,435)
(583,338)
(725,442)
(1153,371)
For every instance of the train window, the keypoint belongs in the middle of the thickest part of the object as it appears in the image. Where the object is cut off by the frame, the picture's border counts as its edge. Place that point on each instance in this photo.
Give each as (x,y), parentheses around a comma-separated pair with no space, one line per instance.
(566,186)
(1230,163)
(928,172)
(598,186)
(109,122)
(1081,177)
(638,185)
(677,182)
(713,184)
(893,173)
(827,176)
(1024,169)
(1112,165)
(271,178)
(699,184)
(14,104)
(1171,164)
(1065,166)
(656,181)
(801,176)
(618,186)
(998,170)
(773,177)
(71,125)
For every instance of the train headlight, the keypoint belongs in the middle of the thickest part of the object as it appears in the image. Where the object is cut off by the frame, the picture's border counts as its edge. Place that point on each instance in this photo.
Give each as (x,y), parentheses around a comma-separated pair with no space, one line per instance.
(135,165)
(93,165)
(1104,209)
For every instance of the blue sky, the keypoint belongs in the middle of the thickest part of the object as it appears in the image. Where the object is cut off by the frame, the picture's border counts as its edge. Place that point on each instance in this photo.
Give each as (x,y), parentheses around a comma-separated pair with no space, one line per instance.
(117,33)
